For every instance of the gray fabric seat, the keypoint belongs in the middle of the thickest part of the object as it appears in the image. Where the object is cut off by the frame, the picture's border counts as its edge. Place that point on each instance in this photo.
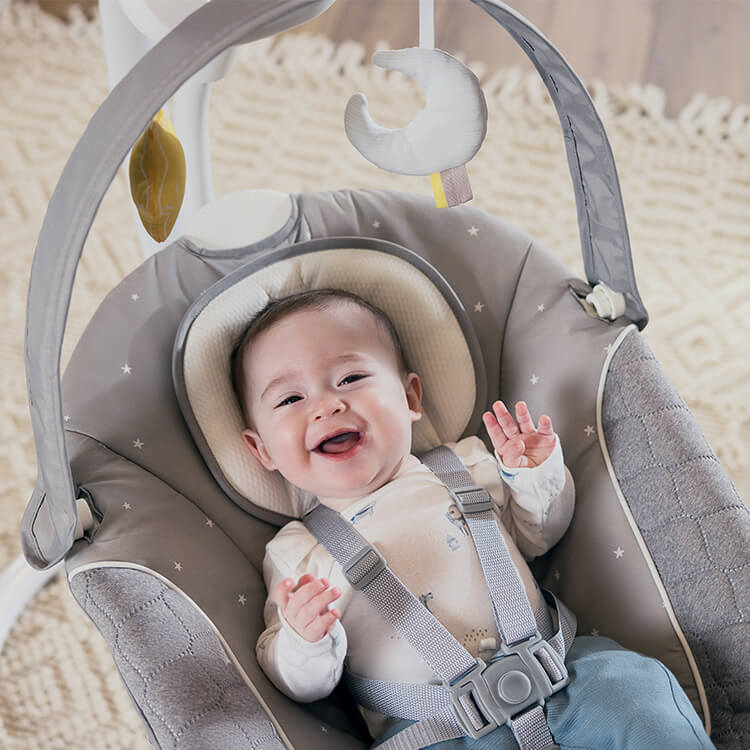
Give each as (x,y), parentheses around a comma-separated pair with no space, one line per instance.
(128,556)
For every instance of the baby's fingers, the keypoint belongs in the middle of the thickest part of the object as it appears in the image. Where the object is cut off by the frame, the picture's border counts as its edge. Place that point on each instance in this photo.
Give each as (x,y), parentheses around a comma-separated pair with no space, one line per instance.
(318,605)
(282,591)
(285,590)
(525,422)
(500,426)
(497,436)
(513,456)
(321,625)
(545,426)
(505,420)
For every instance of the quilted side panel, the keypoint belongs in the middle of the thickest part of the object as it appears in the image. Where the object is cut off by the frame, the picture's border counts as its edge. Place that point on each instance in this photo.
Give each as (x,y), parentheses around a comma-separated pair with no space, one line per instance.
(190,695)
(694,523)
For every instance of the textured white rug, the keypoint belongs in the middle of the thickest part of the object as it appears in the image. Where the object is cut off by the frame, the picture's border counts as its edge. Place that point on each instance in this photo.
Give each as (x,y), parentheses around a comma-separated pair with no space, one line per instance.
(277,122)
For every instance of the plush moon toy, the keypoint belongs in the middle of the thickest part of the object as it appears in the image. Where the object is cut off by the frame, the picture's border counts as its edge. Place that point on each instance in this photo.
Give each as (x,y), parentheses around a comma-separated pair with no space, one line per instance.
(442,138)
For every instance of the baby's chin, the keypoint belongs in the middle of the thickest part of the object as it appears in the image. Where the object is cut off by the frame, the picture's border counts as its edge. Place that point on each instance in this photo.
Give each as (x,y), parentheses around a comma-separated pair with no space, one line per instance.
(341,496)
(337,497)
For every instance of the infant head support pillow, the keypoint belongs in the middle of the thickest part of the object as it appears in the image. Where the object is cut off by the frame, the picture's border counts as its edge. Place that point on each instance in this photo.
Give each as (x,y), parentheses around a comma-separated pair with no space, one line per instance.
(424,311)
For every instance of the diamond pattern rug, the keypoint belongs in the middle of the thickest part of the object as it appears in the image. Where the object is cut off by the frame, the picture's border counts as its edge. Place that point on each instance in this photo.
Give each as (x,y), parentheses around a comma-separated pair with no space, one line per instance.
(277,122)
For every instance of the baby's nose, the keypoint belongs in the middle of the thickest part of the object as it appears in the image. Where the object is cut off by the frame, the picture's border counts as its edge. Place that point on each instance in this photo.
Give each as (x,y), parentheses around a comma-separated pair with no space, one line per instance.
(328,407)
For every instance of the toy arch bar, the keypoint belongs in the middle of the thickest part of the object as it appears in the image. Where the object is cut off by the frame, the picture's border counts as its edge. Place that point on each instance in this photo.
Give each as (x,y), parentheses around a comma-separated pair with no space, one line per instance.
(50,517)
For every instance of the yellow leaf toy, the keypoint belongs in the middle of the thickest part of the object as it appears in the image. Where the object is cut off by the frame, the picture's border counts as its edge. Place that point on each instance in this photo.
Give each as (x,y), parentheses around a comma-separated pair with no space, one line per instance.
(157,176)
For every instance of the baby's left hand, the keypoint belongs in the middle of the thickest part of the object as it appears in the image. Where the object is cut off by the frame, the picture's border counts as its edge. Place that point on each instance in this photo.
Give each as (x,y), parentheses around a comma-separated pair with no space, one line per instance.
(519,445)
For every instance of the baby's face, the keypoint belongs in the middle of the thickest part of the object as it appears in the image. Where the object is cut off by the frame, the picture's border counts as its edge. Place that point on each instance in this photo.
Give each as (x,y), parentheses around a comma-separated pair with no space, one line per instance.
(333,373)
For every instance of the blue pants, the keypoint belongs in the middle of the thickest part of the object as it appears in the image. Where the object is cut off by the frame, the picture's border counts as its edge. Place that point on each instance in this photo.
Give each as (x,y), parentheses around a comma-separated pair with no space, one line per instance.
(616,700)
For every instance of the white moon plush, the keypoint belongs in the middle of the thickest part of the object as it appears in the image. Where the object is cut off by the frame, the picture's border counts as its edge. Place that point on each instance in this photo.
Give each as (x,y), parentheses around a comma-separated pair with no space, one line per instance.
(448,131)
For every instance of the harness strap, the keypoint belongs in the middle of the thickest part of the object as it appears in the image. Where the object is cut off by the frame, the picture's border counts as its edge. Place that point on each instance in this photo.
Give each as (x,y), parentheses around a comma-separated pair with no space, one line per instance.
(530,730)
(510,605)
(514,617)
(475,698)
(416,701)
(366,570)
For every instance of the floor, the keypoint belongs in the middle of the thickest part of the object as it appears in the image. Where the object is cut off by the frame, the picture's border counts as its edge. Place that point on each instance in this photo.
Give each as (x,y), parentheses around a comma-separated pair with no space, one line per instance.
(683,46)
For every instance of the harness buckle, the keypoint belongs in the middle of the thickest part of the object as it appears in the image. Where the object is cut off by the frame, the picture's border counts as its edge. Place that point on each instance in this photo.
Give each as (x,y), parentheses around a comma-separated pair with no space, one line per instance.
(363,567)
(510,682)
(469,506)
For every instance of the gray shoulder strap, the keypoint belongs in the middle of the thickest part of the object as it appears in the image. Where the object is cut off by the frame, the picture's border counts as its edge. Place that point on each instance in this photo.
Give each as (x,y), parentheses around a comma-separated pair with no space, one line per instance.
(512,611)
(367,571)
(601,217)
(511,608)
(50,517)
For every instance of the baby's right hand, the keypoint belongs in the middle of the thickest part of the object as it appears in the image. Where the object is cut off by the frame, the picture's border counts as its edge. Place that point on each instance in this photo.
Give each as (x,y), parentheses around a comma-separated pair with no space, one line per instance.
(305,606)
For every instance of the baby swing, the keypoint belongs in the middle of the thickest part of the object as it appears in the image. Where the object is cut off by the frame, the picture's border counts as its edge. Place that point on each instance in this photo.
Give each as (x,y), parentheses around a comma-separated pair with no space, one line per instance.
(144,488)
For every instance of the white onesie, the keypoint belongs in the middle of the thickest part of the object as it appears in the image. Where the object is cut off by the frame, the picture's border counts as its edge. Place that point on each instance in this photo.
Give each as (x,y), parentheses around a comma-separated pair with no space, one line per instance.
(415,525)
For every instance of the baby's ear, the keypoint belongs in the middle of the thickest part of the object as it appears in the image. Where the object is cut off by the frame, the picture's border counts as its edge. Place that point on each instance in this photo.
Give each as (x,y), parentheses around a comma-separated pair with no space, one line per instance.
(257,447)
(413,389)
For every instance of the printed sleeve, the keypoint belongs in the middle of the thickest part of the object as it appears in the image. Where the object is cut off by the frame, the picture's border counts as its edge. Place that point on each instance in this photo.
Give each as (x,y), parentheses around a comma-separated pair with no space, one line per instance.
(302,670)
(541,504)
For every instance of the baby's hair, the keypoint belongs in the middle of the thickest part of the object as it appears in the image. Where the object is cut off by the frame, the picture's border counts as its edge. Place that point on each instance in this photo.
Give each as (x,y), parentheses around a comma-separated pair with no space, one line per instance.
(277,309)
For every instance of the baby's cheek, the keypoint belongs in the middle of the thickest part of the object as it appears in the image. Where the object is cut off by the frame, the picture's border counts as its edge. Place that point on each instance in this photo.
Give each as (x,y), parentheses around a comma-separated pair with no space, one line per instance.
(391,402)
(287,434)
(287,452)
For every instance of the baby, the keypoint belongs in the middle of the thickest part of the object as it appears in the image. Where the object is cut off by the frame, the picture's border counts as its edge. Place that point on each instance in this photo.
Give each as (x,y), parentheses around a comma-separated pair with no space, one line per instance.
(330,404)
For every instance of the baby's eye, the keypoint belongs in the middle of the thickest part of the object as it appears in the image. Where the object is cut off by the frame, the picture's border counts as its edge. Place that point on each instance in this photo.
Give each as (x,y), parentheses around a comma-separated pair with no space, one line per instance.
(287,400)
(351,379)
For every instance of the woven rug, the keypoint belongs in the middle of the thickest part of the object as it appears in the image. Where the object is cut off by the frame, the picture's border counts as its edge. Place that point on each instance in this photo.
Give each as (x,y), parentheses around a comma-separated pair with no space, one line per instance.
(277,122)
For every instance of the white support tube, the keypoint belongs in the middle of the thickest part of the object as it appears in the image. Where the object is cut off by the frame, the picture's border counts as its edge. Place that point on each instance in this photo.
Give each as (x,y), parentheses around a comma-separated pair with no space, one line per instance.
(190,111)
(427,23)
(19,583)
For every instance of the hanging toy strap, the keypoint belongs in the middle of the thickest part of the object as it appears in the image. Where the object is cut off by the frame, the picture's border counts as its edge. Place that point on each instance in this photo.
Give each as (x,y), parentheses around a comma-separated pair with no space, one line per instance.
(450,187)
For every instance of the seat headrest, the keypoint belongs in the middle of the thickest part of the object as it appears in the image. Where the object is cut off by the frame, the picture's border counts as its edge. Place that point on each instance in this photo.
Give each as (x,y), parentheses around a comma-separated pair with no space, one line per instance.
(409,291)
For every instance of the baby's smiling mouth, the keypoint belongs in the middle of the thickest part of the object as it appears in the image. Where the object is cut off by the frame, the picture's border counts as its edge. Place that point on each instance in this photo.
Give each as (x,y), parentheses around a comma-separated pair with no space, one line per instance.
(340,443)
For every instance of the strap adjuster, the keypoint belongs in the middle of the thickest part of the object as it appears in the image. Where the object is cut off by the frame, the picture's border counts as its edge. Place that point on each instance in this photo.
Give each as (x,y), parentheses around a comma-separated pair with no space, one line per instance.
(512,681)
(363,567)
(471,505)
